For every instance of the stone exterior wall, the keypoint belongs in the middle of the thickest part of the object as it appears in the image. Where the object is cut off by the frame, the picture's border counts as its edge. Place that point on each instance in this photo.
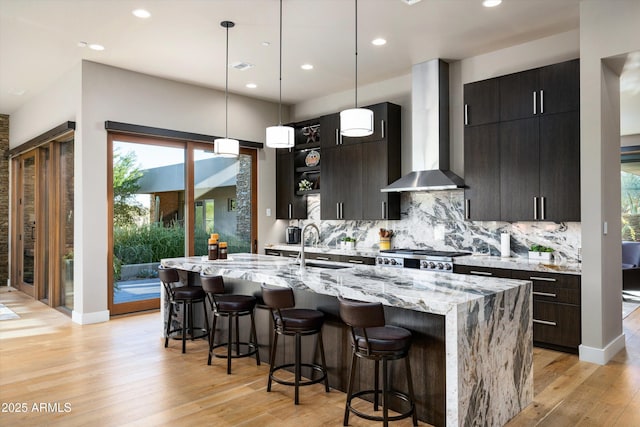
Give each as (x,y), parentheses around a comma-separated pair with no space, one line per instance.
(243,199)
(4,199)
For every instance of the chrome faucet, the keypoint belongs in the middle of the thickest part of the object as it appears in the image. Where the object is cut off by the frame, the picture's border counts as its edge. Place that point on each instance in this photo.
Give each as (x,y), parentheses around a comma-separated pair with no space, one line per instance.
(302,261)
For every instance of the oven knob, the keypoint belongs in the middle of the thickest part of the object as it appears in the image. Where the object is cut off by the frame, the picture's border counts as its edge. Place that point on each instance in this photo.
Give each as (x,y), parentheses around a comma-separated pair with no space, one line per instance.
(393,261)
(386,260)
(440,266)
(379,260)
(447,266)
(424,264)
(432,265)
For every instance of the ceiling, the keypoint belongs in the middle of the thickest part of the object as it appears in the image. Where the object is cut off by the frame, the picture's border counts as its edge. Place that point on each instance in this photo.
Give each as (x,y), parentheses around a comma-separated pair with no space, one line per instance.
(183,40)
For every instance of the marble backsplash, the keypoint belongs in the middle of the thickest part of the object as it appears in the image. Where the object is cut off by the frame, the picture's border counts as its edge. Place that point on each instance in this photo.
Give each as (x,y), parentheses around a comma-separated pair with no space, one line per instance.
(435,220)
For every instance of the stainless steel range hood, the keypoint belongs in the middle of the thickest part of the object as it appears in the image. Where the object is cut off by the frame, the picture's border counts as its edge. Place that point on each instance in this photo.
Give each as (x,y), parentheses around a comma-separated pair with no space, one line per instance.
(430,131)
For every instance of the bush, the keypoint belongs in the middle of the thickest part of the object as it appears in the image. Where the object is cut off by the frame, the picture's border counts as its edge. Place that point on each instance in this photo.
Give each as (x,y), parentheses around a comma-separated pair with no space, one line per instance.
(148,243)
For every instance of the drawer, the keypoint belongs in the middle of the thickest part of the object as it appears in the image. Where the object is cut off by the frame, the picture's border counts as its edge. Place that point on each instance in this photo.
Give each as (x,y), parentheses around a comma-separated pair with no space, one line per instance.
(552,293)
(272,252)
(358,260)
(482,271)
(321,256)
(557,324)
(568,281)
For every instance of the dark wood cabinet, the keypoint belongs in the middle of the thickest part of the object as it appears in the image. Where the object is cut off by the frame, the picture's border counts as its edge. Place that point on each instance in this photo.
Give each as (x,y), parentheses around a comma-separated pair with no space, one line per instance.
(482,172)
(539,147)
(556,309)
(341,195)
(482,271)
(481,102)
(330,126)
(380,124)
(380,167)
(288,204)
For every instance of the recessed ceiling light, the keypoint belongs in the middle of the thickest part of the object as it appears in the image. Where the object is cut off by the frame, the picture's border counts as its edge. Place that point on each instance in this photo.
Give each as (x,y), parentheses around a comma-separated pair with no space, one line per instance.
(96,46)
(411,2)
(379,42)
(251,85)
(83,44)
(141,13)
(306,67)
(17,91)
(241,65)
(265,44)
(491,3)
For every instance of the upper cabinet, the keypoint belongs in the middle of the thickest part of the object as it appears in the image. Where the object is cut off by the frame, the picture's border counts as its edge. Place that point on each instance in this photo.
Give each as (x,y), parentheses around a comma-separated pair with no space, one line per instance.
(526,167)
(288,204)
(481,103)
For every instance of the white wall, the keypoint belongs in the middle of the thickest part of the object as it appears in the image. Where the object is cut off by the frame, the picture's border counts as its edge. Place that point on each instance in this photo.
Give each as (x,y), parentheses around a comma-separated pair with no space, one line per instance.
(607,29)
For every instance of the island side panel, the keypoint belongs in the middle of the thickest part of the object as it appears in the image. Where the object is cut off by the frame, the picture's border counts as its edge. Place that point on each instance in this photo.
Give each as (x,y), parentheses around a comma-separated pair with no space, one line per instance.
(495,358)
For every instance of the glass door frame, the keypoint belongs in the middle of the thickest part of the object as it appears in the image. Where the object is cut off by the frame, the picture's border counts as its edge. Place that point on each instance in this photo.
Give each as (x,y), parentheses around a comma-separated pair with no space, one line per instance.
(189,218)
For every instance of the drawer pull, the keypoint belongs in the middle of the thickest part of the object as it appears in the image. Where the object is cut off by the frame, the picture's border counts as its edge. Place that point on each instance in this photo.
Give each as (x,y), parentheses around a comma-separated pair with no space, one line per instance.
(322,258)
(273,253)
(355,261)
(481,273)
(545,322)
(293,255)
(544,279)
(545,294)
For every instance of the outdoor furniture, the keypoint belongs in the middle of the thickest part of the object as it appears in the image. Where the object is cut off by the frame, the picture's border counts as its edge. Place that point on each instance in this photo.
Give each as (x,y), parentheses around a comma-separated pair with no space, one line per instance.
(631,266)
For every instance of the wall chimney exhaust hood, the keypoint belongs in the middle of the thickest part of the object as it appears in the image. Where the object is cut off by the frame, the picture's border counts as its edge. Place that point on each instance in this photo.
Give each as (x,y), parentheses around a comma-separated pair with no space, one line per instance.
(430,131)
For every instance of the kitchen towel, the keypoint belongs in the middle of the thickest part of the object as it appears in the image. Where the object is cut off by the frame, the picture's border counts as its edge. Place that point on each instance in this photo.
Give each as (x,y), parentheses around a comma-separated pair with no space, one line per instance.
(505,245)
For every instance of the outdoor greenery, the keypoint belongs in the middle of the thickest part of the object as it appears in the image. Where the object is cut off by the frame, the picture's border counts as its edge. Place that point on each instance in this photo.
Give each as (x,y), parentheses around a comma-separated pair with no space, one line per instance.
(126,175)
(135,244)
(630,206)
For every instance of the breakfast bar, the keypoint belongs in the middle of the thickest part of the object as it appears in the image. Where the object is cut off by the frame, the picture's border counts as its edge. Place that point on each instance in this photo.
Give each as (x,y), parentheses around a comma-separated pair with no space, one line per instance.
(472,349)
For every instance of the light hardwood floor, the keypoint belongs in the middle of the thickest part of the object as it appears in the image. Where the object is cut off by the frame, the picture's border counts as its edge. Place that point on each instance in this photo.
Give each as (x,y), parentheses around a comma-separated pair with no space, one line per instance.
(119,374)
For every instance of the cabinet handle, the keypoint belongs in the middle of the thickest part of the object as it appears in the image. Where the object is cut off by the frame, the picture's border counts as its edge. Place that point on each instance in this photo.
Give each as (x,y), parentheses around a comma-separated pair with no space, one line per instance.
(542,215)
(543,279)
(467,208)
(355,261)
(545,322)
(273,253)
(337,136)
(322,258)
(293,255)
(480,273)
(290,211)
(541,101)
(545,294)
(534,103)
(384,210)
(338,210)
(535,208)
(341,210)
(466,114)
(382,129)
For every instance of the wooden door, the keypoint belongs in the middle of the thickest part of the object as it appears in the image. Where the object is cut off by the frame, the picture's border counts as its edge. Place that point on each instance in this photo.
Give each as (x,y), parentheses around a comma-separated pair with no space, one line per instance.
(26,224)
(560,84)
(375,175)
(517,94)
(481,103)
(482,172)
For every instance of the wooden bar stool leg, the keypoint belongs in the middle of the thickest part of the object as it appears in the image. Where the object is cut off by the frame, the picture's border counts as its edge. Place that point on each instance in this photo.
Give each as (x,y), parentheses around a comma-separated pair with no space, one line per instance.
(273,359)
(352,376)
(324,362)
(212,336)
(255,338)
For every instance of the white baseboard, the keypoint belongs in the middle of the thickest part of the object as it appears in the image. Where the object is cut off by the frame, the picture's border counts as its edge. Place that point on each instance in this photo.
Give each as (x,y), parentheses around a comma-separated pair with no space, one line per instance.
(88,318)
(601,355)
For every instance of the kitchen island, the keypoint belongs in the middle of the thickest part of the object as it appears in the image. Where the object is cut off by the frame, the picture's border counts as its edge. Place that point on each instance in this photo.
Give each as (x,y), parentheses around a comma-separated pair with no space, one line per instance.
(472,352)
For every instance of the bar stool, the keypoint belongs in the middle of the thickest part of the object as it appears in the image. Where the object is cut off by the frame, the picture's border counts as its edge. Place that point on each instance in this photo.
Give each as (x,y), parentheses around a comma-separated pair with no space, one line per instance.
(373,340)
(297,322)
(185,296)
(232,307)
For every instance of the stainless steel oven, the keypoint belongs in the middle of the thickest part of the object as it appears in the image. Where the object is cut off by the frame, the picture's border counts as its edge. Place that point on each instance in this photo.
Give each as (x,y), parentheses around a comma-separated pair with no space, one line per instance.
(423,259)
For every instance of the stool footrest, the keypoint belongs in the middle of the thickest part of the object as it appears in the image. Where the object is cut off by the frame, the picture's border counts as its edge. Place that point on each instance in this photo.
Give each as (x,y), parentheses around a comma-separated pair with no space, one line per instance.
(251,350)
(204,334)
(399,395)
(313,366)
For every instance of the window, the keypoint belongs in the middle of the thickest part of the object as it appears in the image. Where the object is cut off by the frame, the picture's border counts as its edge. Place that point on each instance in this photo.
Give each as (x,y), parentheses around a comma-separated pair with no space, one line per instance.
(630,197)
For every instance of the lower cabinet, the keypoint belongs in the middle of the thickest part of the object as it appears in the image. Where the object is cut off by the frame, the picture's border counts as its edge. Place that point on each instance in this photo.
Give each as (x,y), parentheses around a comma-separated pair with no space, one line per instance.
(557,321)
(321,256)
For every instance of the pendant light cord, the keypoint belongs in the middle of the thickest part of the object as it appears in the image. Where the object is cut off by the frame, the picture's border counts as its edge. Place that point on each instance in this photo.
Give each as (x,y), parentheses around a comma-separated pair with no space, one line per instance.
(280,98)
(356,1)
(226,89)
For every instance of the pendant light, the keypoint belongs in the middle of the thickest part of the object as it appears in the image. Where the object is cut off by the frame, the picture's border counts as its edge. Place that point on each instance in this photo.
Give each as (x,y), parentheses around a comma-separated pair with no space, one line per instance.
(356,122)
(226,147)
(280,136)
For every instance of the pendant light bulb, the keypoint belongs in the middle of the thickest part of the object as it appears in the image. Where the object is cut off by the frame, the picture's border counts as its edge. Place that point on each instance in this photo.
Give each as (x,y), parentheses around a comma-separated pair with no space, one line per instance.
(356,122)
(226,147)
(280,136)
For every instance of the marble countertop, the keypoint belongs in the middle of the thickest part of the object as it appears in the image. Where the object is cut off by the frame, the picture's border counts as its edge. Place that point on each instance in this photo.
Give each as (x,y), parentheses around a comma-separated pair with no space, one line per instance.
(438,293)
(477,260)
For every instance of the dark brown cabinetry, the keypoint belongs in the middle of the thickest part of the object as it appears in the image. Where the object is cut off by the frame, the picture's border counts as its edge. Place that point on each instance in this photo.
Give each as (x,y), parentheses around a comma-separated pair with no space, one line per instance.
(288,204)
(481,103)
(556,305)
(539,147)
(341,171)
(351,259)
(556,309)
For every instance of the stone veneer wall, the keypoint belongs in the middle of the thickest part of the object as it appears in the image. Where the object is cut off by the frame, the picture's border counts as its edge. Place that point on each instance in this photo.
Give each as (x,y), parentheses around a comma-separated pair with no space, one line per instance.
(4,199)
(435,220)
(243,198)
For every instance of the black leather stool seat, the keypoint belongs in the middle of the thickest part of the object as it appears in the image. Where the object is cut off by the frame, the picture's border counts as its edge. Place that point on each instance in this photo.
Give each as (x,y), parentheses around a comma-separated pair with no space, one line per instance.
(385,339)
(232,307)
(184,297)
(296,322)
(236,302)
(188,292)
(300,319)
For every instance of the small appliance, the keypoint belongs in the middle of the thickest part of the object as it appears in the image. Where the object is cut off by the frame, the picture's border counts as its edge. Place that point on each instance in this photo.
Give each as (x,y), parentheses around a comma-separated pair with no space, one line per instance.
(292,235)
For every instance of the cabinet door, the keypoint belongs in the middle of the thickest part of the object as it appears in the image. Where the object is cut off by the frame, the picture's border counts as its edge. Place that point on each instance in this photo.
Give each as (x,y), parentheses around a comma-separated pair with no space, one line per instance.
(519,95)
(482,172)
(379,126)
(481,103)
(375,175)
(341,189)
(560,87)
(288,205)
(330,131)
(519,170)
(560,167)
